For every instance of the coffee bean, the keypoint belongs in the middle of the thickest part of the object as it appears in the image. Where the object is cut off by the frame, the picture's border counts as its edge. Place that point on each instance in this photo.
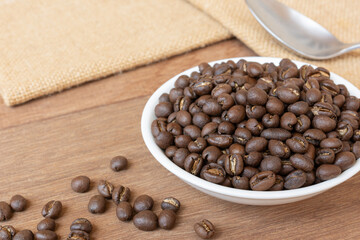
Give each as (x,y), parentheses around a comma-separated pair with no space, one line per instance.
(105,189)
(288,95)
(345,160)
(274,106)
(303,123)
(164,139)
(5,211)
(124,211)
(299,108)
(197,146)
(167,219)
(356,149)
(254,126)
(279,149)
(163,109)
(234,164)
(182,141)
(146,220)
(256,96)
(170,151)
(80,184)
(240,182)
(295,179)
(256,111)
(242,135)
(118,163)
(24,235)
(334,144)
(271,163)
(221,141)
(183,118)
(193,163)
(18,203)
(325,155)
(278,185)
(302,162)
(175,93)
(170,203)
(179,156)
(253,159)
(213,172)
(262,181)
(256,144)
(97,204)
(182,81)
(7,232)
(142,203)
(288,121)
(324,123)
(193,131)
(46,224)
(345,131)
(52,209)
(164,97)
(211,154)
(314,136)
(46,235)
(81,224)
(276,134)
(204,229)
(78,234)
(121,194)
(297,144)
(327,171)
(270,121)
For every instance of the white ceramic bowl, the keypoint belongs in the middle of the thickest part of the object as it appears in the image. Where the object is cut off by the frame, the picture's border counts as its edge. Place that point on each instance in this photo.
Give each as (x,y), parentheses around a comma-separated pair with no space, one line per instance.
(231,194)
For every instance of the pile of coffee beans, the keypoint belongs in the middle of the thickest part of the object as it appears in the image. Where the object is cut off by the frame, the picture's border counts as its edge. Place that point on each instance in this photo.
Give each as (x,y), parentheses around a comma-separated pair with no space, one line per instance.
(46,228)
(259,126)
(80,229)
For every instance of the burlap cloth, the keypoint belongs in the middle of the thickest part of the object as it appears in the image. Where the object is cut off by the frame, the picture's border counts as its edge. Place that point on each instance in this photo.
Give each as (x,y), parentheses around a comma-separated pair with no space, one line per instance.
(50,45)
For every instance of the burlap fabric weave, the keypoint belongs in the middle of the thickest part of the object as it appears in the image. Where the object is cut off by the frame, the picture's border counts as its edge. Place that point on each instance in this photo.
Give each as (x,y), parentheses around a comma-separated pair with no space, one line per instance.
(50,45)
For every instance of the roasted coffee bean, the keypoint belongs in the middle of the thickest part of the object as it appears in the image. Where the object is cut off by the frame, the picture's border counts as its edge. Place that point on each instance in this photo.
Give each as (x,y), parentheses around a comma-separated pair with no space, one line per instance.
(105,189)
(334,144)
(313,95)
(182,103)
(179,156)
(211,154)
(193,163)
(325,155)
(221,88)
(262,181)
(274,106)
(225,101)
(143,202)
(124,211)
(182,141)
(167,219)
(249,172)
(324,123)
(310,178)
(311,152)
(299,108)
(327,171)
(80,184)
(346,146)
(286,167)
(226,128)
(295,179)
(279,149)
(288,94)
(270,121)
(170,151)
(256,144)
(333,134)
(146,220)
(255,111)
(242,135)
(339,100)
(218,140)
(52,209)
(175,93)
(97,204)
(253,159)
(213,172)
(46,224)
(236,114)
(174,128)
(200,119)
(276,134)
(5,211)
(203,87)
(164,97)
(78,234)
(271,163)
(81,224)
(345,131)
(240,182)
(241,96)
(352,103)
(164,139)
(314,136)
(303,123)
(24,235)
(7,232)
(18,203)
(193,131)
(234,164)
(344,160)
(254,126)
(204,229)
(208,129)
(121,194)
(182,81)
(279,184)
(256,96)
(183,118)
(302,162)
(288,121)
(170,203)
(158,126)
(197,146)
(163,109)
(46,235)
(193,108)
(297,144)
(211,108)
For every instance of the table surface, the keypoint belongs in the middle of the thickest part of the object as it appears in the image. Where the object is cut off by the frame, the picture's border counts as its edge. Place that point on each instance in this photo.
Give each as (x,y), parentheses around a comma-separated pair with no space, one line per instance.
(47,142)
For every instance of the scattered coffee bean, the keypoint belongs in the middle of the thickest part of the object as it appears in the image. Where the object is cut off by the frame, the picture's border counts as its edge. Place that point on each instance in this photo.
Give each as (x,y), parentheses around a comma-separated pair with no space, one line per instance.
(78,234)
(18,203)
(46,235)
(97,204)
(46,224)
(143,202)
(167,219)
(80,184)
(52,209)
(81,224)
(5,211)
(121,194)
(105,189)
(119,163)
(146,220)
(204,229)
(24,235)
(170,203)
(7,232)
(124,211)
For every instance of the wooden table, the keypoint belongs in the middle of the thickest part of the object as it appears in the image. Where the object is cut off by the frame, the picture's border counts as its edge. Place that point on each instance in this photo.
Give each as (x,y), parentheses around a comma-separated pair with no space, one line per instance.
(47,142)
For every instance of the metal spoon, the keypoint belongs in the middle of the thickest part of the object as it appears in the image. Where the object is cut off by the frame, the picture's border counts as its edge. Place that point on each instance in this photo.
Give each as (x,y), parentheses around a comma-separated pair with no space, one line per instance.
(298,32)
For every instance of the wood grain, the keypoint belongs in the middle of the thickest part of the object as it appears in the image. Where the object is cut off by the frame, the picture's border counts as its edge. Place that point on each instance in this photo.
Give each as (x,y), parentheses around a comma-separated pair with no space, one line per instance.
(44,144)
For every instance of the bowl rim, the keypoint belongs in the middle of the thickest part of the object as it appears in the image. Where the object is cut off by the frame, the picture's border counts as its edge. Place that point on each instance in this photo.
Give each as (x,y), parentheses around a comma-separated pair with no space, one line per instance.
(148,116)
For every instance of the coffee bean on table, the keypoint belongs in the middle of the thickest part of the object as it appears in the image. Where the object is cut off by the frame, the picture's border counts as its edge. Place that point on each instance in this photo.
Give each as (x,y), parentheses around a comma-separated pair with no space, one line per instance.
(46,235)
(18,203)
(5,211)
(170,203)
(78,234)
(24,235)
(146,220)
(118,163)
(121,194)
(52,209)
(97,204)
(105,188)
(46,224)
(262,181)
(7,232)
(81,224)
(80,184)
(143,202)
(124,211)
(167,219)
(204,229)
